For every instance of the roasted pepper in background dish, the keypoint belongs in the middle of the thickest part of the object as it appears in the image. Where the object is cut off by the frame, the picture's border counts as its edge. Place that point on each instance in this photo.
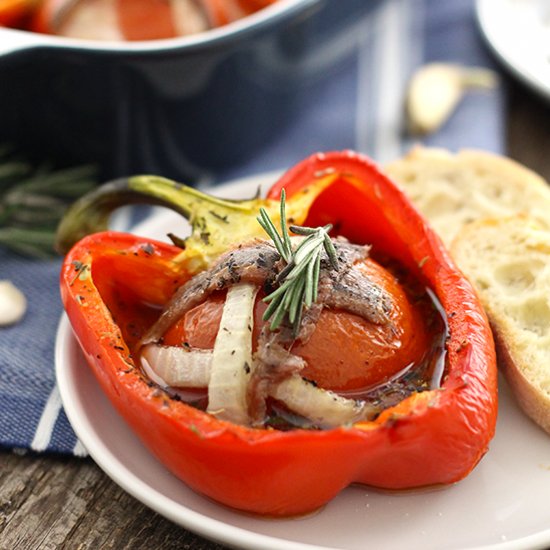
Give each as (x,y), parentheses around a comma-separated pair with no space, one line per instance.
(14,12)
(138,19)
(113,286)
(222,12)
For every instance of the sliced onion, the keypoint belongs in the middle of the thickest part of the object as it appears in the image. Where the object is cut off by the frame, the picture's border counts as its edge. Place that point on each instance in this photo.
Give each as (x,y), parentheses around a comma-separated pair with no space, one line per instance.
(226,371)
(176,366)
(323,407)
(232,356)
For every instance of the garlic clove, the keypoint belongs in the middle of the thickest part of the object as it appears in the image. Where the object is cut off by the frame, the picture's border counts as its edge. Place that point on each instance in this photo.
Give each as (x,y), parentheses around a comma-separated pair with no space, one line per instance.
(13,304)
(436,89)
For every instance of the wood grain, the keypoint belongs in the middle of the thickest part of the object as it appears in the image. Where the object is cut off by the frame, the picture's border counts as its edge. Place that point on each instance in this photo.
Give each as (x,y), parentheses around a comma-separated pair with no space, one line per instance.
(50,502)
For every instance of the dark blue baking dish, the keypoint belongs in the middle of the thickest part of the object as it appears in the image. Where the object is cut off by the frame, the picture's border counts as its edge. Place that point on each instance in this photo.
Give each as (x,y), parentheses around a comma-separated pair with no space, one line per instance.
(182,107)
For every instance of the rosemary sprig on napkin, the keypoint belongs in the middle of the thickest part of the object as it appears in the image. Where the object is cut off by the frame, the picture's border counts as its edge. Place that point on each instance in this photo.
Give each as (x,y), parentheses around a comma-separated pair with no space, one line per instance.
(298,281)
(33,200)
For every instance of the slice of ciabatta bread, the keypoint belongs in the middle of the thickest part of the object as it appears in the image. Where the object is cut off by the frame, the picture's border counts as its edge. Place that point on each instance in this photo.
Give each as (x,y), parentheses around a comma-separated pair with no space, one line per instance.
(452,190)
(507,258)
(508,261)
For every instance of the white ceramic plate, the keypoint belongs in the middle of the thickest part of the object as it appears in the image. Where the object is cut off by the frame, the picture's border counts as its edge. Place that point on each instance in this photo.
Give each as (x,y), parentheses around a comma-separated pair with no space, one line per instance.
(502,504)
(519,33)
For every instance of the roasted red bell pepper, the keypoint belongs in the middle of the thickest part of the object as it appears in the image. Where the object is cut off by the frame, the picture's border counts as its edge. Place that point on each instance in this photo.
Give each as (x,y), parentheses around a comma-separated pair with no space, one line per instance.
(13,12)
(133,19)
(432,437)
(222,12)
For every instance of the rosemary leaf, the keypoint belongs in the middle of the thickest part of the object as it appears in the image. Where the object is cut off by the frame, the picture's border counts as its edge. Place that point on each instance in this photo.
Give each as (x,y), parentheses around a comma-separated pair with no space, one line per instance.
(297,299)
(272,307)
(331,251)
(266,223)
(35,243)
(284,230)
(34,199)
(13,169)
(295,272)
(299,279)
(305,231)
(297,323)
(309,290)
(278,317)
(279,292)
(316,271)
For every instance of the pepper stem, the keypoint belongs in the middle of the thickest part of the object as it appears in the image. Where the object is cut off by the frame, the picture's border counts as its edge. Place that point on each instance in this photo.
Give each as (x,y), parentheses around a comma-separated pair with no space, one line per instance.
(92,212)
(217,224)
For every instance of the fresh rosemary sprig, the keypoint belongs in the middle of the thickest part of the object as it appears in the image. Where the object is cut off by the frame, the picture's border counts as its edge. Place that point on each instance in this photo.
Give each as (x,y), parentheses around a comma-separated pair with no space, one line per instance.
(299,280)
(33,200)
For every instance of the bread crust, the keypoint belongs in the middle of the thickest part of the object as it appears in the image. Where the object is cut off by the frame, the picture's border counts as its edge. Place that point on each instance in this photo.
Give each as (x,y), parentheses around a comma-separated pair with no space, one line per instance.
(498,164)
(452,190)
(487,251)
(534,402)
(490,209)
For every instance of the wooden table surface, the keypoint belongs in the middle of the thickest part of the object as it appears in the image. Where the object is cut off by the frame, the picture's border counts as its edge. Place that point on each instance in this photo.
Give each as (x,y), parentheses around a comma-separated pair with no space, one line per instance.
(51,502)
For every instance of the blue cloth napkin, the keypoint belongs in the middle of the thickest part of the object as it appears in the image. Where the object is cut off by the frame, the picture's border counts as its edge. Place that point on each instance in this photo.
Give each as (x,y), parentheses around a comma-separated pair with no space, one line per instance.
(360,107)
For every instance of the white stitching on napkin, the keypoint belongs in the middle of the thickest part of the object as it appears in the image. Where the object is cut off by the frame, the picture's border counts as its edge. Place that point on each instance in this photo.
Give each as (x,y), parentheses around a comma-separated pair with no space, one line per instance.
(79,449)
(45,427)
